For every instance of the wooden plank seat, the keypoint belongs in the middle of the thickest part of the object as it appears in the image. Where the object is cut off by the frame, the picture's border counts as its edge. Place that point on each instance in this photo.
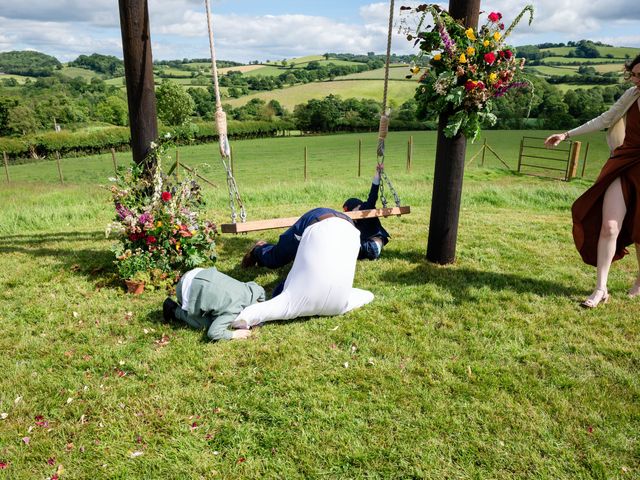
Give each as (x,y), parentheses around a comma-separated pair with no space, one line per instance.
(257,225)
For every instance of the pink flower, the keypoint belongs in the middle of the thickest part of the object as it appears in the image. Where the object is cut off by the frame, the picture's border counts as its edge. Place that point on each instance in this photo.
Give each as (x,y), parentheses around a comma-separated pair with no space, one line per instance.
(3,465)
(495,16)
(166,196)
(490,58)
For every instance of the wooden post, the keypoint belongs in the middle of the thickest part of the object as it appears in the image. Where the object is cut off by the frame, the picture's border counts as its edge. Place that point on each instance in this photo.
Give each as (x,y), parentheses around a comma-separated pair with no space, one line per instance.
(6,166)
(359,157)
(409,153)
(449,168)
(484,149)
(305,164)
(138,68)
(572,168)
(520,154)
(584,161)
(177,165)
(115,162)
(59,167)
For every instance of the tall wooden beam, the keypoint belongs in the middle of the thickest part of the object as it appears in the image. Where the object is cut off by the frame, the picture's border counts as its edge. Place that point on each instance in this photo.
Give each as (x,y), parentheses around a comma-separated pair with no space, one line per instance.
(449,168)
(138,69)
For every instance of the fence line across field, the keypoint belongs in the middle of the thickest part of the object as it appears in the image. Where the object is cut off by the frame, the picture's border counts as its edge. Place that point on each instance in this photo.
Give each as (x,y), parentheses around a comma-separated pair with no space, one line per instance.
(316,160)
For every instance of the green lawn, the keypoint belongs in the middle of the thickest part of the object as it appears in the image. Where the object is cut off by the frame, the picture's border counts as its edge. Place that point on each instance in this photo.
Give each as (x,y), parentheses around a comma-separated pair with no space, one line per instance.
(486,368)
(83,73)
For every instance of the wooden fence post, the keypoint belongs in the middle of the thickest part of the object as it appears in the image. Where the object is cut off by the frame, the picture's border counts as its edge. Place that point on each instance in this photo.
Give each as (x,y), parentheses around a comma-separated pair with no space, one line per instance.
(177,165)
(6,166)
(59,167)
(520,154)
(573,160)
(409,153)
(359,157)
(305,164)
(584,161)
(115,162)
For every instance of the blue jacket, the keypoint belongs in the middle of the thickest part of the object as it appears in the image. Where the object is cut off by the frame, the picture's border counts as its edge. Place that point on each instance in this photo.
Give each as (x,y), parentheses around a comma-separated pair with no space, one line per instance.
(371,227)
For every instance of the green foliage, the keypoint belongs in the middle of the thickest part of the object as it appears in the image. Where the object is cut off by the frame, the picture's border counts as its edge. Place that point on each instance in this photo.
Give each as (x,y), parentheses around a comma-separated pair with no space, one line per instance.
(175,106)
(22,120)
(113,110)
(34,64)
(105,64)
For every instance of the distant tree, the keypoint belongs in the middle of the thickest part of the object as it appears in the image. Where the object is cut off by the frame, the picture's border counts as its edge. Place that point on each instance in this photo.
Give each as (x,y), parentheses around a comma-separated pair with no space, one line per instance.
(106,64)
(22,120)
(586,49)
(175,106)
(34,64)
(5,107)
(114,110)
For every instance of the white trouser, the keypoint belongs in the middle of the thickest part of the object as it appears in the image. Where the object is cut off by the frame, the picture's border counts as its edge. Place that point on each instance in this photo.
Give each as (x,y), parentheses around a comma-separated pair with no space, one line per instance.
(321,278)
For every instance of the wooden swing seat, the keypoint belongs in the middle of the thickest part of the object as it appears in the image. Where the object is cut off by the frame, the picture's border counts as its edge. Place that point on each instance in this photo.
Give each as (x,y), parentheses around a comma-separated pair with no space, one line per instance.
(258,225)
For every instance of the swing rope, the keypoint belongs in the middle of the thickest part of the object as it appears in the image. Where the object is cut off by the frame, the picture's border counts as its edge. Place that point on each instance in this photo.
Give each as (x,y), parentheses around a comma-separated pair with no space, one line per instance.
(383,129)
(221,126)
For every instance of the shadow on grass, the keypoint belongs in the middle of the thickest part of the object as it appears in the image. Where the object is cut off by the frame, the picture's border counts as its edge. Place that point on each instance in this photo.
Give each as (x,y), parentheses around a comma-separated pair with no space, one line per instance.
(95,264)
(459,281)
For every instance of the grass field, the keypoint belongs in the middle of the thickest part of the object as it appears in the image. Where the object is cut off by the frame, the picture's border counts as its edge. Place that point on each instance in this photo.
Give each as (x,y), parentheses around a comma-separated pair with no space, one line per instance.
(482,369)
(289,97)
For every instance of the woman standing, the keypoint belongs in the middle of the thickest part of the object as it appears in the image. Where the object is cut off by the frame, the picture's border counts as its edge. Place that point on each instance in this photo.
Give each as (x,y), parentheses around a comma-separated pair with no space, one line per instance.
(606,218)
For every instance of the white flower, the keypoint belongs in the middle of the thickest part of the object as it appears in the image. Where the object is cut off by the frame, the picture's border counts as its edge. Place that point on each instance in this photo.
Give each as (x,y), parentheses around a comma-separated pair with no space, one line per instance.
(167,135)
(153,145)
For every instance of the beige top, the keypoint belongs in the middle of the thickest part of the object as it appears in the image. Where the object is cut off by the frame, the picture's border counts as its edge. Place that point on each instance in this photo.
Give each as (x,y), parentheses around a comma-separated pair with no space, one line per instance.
(614,119)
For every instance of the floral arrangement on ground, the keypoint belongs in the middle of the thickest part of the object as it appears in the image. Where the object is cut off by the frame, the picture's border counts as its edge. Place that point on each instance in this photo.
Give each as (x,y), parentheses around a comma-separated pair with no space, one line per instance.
(467,68)
(158,223)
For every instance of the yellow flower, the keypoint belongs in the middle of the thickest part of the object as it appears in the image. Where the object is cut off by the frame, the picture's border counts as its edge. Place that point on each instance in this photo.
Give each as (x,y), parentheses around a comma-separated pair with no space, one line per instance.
(496,36)
(437,57)
(177,245)
(158,223)
(493,78)
(471,51)
(486,43)
(463,58)
(470,34)
(415,69)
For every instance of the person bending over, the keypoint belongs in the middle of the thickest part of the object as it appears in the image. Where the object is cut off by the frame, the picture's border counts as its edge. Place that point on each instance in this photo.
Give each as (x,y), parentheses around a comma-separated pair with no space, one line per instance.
(321,279)
(211,300)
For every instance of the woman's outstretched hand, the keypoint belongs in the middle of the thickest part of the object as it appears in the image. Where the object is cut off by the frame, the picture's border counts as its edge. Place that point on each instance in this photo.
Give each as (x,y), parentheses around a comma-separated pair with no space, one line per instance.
(555,139)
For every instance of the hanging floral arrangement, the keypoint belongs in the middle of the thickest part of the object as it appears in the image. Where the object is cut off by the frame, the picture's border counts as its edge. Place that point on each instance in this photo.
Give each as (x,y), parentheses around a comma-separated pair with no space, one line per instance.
(466,68)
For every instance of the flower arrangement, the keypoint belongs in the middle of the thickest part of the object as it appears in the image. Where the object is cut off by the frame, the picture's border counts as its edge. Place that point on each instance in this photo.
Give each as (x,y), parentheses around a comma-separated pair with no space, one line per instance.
(157,222)
(466,69)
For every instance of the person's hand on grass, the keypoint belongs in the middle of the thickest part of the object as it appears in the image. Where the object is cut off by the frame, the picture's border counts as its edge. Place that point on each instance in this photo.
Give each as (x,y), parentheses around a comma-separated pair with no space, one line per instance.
(241,334)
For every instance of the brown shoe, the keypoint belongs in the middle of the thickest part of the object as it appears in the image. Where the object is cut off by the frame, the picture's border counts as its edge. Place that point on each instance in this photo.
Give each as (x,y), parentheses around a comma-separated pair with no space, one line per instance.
(249,260)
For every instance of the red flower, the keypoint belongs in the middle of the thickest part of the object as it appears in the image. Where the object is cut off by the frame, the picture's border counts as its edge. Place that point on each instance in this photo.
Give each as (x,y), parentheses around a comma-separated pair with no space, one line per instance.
(495,16)
(470,85)
(490,58)
(166,196)
(507,54)
(480,85)
(151,239)
(3,465)
(501,26)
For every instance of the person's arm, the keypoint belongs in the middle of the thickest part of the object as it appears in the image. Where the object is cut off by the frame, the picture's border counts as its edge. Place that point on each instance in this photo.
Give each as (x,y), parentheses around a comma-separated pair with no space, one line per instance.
(219,329)
(373,193)
(605,120)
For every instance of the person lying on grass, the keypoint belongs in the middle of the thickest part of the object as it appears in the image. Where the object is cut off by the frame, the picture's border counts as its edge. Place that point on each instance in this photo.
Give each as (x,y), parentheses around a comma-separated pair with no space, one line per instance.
(372,234)
(321,279)
(211,300)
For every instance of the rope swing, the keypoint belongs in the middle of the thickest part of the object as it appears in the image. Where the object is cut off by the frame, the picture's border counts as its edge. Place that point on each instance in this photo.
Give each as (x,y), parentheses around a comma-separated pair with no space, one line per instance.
(221,127)
(383,129)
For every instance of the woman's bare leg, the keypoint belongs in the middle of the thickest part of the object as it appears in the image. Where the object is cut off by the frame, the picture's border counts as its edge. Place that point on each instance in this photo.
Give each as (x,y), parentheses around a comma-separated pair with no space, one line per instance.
(613,212)
(635,289)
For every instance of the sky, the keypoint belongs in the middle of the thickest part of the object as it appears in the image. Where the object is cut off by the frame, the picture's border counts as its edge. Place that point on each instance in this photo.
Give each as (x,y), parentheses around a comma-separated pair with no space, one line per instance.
(247,30)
